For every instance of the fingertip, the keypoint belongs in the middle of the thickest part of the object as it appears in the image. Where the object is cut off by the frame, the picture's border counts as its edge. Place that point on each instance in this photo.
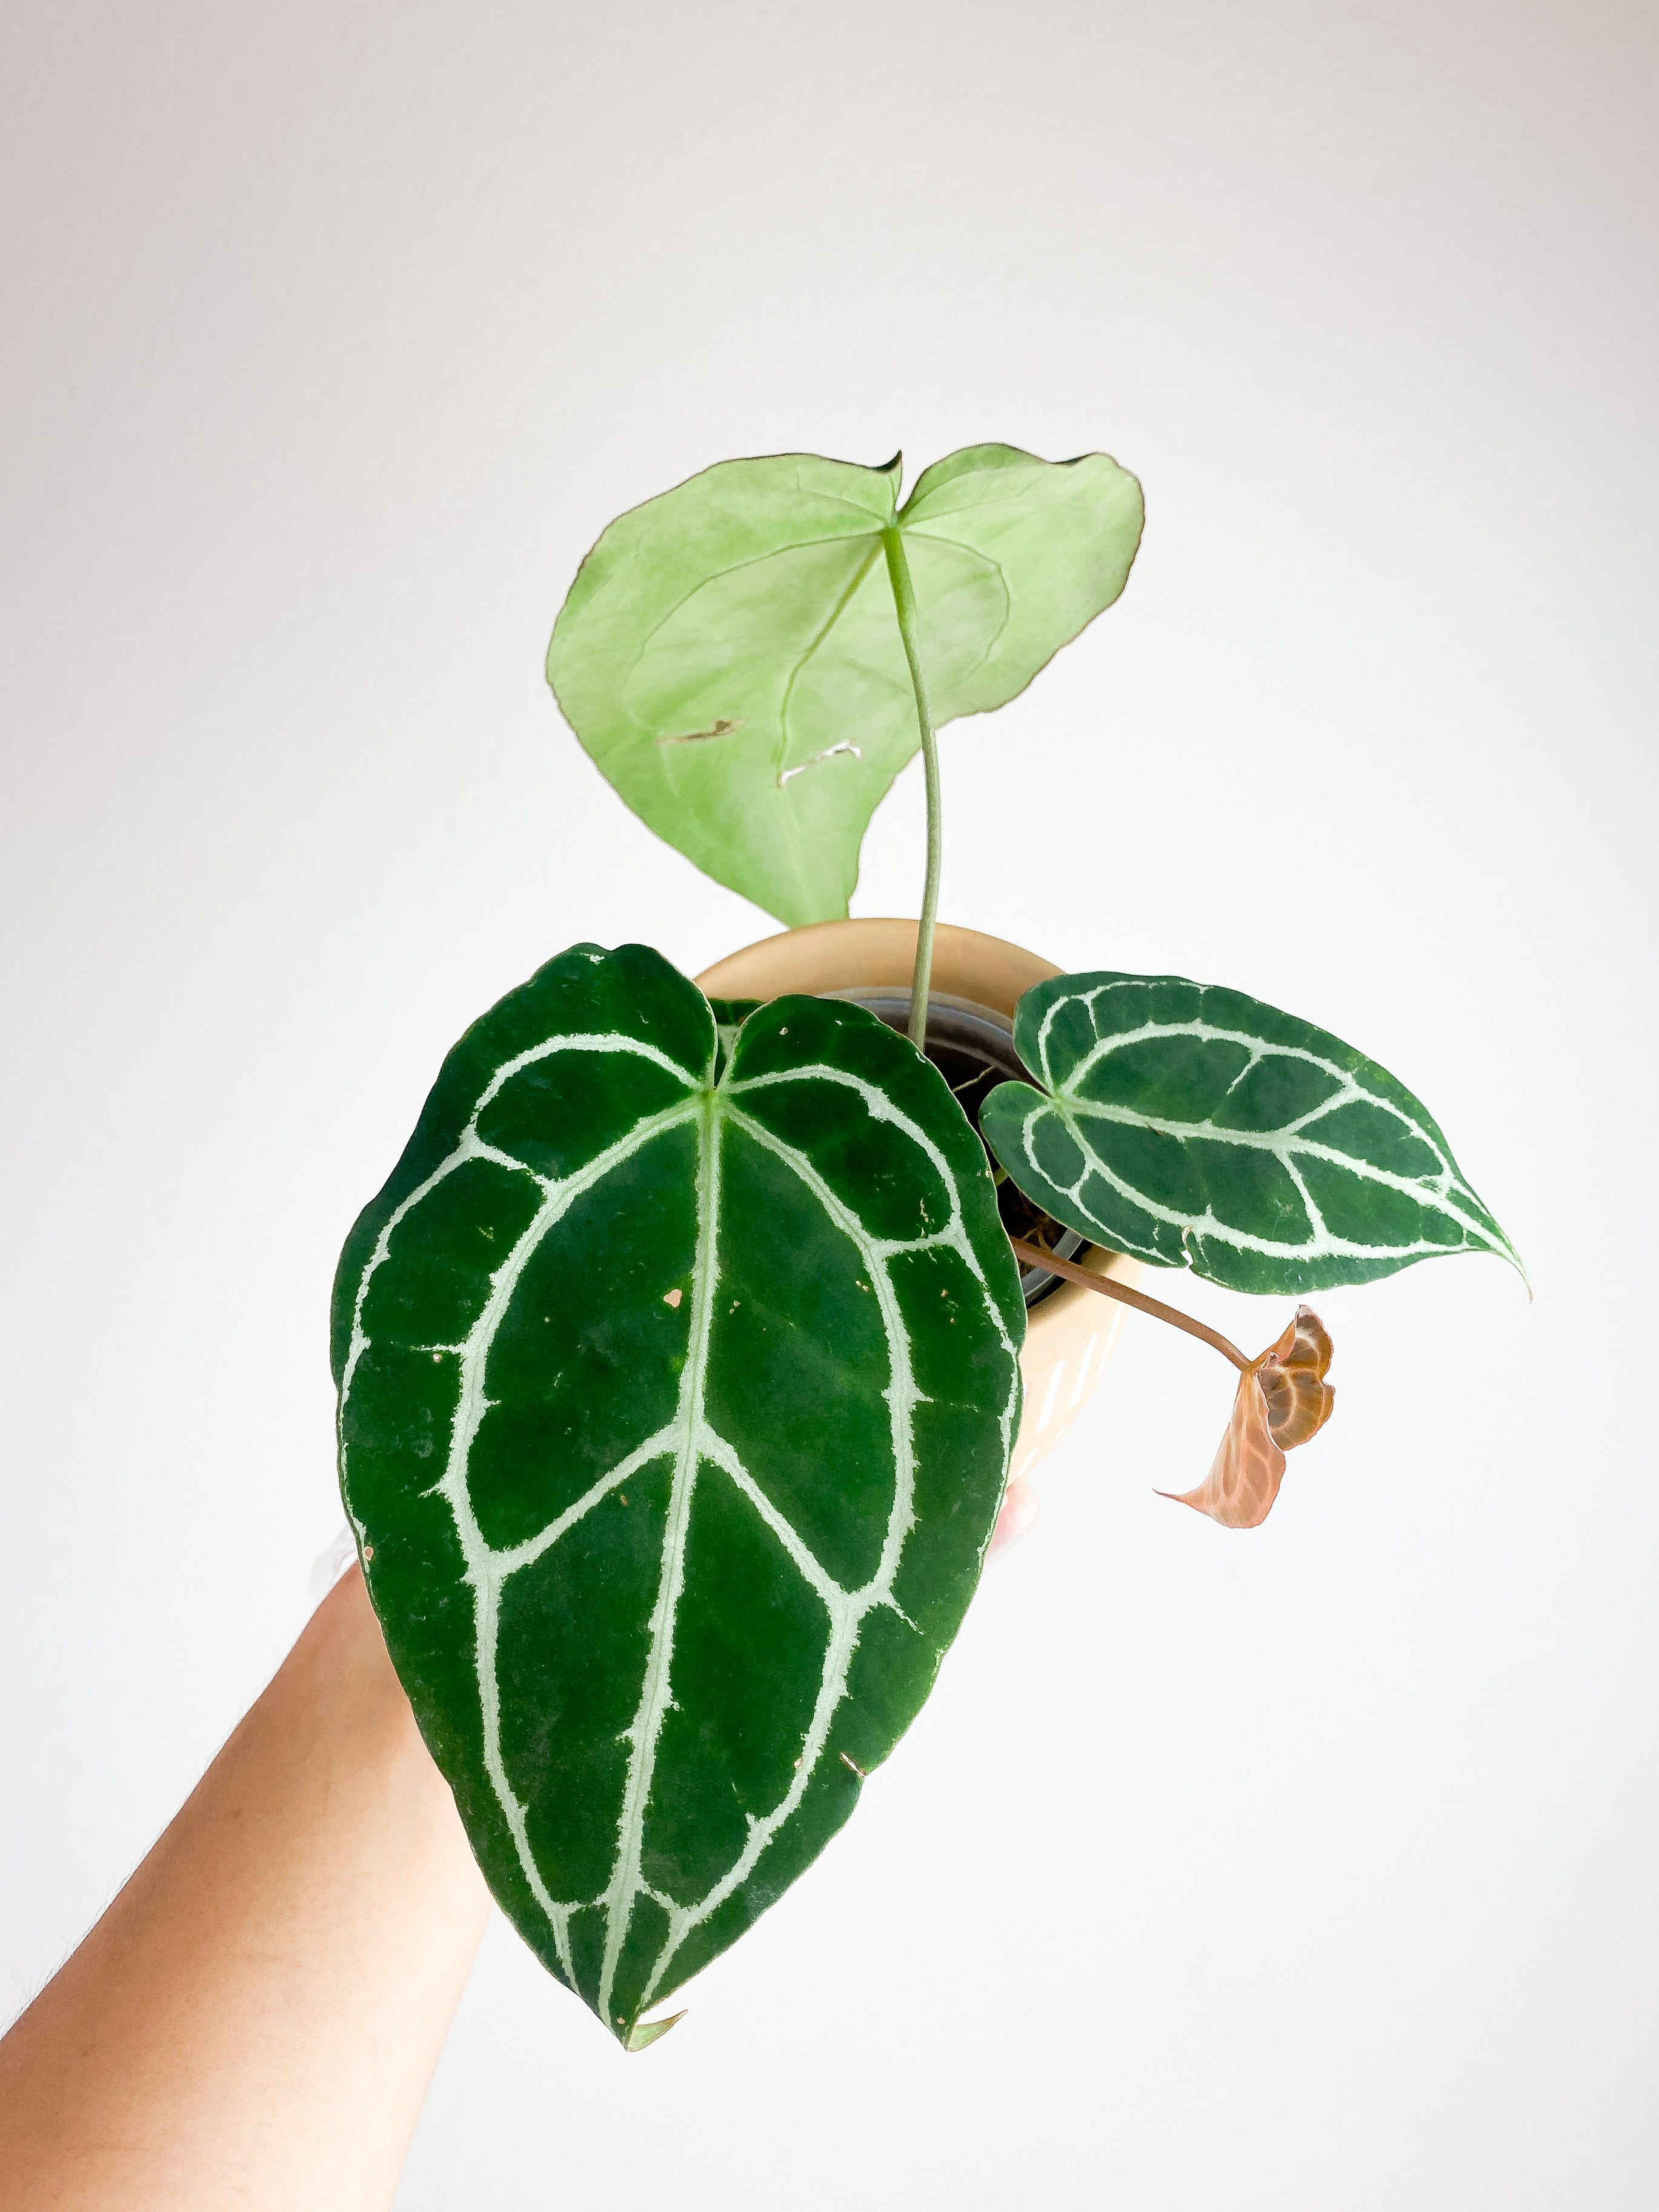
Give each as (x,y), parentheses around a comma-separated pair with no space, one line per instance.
(1019,1510)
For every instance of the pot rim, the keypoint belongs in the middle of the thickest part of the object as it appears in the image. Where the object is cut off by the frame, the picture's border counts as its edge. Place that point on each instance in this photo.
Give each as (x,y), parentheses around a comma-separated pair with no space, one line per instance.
(879,952)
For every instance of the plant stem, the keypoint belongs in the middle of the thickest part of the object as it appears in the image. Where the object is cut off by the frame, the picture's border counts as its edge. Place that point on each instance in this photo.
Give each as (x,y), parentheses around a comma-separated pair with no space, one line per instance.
(1034,1256)
(904,600)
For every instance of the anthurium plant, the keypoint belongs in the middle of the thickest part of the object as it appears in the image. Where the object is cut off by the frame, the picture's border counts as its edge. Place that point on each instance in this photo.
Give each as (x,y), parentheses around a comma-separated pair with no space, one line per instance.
(678,1359)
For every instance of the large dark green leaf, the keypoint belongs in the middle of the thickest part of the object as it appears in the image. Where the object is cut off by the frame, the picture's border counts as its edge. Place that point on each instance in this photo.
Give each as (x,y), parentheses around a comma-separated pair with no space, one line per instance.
(675,1408)
(730,654)
(1195,1126)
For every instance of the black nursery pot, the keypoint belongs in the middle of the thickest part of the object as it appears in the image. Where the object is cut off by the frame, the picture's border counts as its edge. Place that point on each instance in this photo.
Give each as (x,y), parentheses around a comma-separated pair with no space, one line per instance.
(973,1048)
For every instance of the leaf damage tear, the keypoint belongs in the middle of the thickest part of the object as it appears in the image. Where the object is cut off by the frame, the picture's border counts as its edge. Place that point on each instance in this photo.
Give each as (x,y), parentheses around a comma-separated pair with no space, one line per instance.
(830,752)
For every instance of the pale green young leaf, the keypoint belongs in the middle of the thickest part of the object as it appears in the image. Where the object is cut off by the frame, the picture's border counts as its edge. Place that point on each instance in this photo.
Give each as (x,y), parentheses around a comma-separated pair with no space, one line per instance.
(1195,1126)
(730,656)
(677,1394)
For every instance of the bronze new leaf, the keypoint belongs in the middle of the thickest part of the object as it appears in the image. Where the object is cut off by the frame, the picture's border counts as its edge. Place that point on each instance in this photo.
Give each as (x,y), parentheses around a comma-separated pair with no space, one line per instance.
(1282,1400)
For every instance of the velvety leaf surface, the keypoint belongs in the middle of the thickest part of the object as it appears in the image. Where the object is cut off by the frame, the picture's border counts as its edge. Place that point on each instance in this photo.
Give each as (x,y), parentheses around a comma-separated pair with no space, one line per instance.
(1195,1127)
(729,652)
(675,1403)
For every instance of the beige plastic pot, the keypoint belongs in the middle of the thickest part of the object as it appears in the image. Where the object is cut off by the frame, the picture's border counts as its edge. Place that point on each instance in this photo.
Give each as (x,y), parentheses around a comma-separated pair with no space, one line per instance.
(1071,1332)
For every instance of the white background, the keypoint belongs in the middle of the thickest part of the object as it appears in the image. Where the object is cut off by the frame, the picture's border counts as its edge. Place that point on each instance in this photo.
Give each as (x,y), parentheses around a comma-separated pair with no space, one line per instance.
(1310,1868)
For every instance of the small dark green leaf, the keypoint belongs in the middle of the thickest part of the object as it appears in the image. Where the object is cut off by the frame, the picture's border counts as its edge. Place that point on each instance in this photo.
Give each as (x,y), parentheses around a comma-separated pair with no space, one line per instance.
(675,1411)
(729,652)
(1195,1126)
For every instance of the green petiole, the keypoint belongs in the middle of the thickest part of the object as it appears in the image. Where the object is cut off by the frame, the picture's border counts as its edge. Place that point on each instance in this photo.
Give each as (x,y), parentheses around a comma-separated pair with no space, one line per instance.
(904,600)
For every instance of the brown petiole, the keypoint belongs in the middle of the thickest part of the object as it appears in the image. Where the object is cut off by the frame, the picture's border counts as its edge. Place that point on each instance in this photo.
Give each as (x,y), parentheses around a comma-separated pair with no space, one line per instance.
(1033,1255)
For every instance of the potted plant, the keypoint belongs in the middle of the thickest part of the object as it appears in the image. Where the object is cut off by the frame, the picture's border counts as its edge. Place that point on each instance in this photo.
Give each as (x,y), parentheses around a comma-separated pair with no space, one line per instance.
(679,1360)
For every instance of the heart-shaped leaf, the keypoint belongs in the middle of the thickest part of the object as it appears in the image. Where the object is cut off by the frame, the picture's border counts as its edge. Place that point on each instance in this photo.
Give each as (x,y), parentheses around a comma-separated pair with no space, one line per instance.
(675,1403)
(1195,1126)
(730,654)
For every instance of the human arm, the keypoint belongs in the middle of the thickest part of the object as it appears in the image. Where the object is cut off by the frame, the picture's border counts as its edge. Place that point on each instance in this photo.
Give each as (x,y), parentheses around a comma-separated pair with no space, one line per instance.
(255,2019)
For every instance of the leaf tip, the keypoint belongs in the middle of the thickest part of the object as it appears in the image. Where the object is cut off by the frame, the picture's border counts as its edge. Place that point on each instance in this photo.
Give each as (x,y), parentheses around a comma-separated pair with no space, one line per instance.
(645,2032)
(1500,1247)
